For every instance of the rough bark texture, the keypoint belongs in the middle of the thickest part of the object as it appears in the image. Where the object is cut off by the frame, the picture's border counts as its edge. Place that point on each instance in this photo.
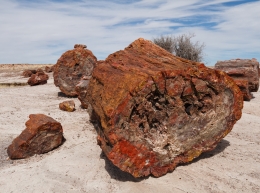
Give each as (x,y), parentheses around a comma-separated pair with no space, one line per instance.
(155,110)
(42,134)
(244,87)
(67,106)
(242,69)
(71,67)
(39,78)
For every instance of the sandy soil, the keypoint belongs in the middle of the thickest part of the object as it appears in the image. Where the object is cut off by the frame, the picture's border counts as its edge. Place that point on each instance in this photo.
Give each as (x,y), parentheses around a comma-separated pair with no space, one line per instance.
(79,165)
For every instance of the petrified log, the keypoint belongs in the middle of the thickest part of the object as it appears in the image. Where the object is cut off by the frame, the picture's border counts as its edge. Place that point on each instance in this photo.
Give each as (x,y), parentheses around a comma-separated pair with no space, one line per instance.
(71,67)
(156,110)
(42,134)
(37,79)
(67,106)
(242,69)
(244,87)
(28,73)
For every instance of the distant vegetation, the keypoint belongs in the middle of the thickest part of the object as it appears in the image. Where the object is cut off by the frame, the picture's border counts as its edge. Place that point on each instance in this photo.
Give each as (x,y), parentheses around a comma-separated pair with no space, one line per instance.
(181,46)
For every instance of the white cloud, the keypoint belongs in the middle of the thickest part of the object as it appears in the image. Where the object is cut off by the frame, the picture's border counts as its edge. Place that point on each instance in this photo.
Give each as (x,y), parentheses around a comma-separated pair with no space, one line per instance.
(40,32)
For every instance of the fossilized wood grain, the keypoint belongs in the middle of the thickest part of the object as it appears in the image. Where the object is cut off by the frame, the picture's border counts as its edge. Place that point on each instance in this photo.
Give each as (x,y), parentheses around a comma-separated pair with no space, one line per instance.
(156,110)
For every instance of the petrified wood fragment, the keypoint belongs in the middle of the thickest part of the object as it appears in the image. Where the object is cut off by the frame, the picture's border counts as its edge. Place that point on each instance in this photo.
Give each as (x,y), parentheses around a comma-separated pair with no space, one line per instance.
(244,87)
(42,134)
(67,106)
(156,110)
(28,73)
(71,67)
(37,79)
(242,69)
(48,69)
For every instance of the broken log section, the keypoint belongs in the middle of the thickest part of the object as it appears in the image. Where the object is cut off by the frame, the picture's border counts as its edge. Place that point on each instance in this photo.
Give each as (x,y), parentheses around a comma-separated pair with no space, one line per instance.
(156,110)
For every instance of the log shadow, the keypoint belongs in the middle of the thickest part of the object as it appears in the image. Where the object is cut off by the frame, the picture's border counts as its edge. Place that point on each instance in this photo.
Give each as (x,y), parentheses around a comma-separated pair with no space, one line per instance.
(117,174)
(61,94)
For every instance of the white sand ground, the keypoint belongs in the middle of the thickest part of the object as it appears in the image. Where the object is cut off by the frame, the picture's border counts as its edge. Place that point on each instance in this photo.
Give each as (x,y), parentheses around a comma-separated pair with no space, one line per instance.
(79,166)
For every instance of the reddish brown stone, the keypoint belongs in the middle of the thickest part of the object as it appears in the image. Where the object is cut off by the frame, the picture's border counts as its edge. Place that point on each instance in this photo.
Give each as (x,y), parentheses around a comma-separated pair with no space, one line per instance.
(156,110)
(39,70)
(242,69)
(71,67)
(48,69)
(80,46)
(42,134)
(28,73)
(244,87)
(39,78)
(67,106)
(52,68)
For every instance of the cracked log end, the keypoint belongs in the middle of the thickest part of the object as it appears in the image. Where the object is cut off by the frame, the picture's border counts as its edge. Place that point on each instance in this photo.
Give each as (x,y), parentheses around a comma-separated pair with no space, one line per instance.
(71,67)
(42,134)
(158,110)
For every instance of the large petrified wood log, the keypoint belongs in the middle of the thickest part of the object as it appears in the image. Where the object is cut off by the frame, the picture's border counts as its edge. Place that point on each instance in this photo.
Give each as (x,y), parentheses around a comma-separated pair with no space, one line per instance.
(42,134)
(156,110)
(71,67)
(242,69)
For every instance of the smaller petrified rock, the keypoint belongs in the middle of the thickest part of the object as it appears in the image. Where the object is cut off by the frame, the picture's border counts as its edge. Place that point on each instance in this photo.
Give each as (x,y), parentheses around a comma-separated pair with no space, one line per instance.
(28,73)
(48,69)
(67,106)
(243,86)
(39,78)
(42,134)
(52,68)
(39,70)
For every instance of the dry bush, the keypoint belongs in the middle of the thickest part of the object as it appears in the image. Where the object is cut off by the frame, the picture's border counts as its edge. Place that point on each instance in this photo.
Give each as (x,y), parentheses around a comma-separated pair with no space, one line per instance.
(165,42)
(181,46)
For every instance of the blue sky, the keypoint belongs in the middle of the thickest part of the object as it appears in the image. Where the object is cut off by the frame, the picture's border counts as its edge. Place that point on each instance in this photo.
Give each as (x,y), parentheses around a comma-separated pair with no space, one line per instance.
(39,31)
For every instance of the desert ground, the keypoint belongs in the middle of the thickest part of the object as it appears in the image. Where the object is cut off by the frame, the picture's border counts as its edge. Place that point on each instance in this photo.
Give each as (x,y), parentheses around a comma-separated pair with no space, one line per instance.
(79,165)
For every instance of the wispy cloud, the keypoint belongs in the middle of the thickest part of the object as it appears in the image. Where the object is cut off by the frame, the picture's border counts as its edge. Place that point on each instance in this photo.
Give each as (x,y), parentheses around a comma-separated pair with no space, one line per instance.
(40,31)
